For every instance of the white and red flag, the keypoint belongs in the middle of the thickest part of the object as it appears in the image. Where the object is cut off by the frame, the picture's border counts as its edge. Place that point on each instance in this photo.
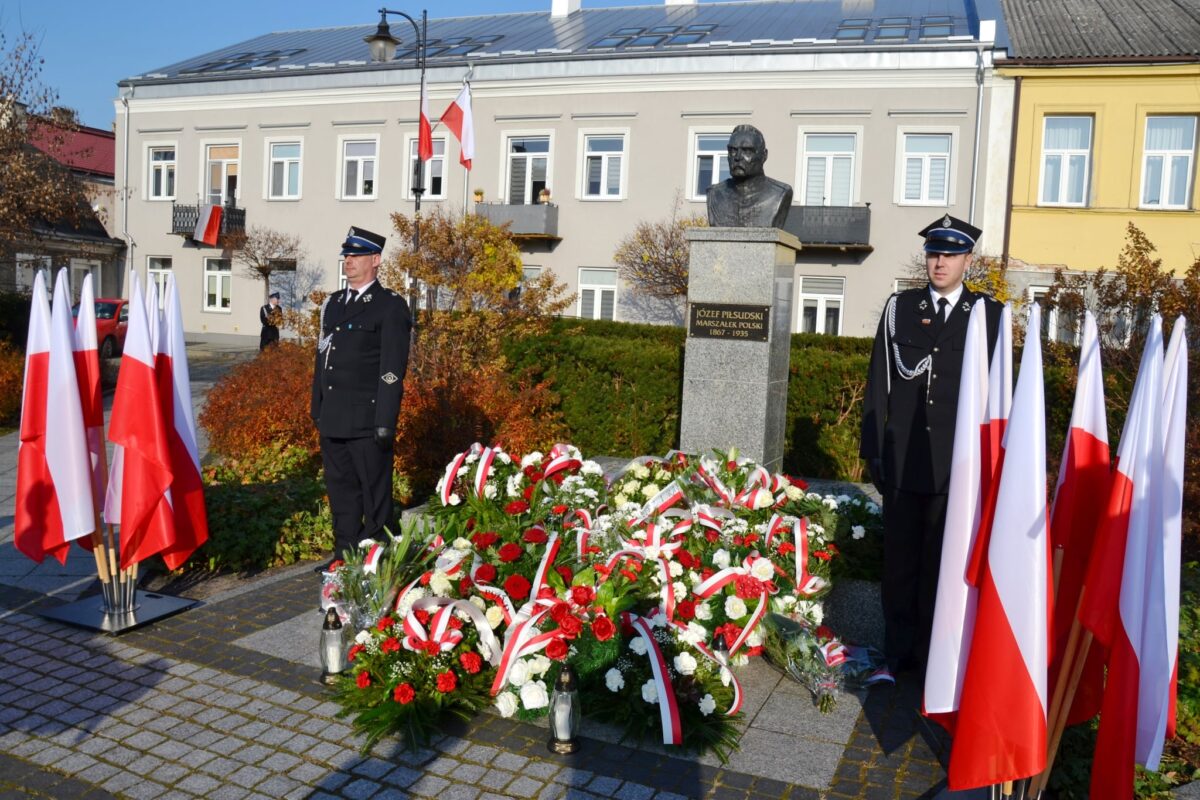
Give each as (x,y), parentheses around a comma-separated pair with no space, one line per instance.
(1083,479)
(208,224)
(54,504)
(954,613)
(424,129)
(87,372)
(141,470)
(1124,598)
(1001,727)
(1175,381)
(175,394)
(457,117)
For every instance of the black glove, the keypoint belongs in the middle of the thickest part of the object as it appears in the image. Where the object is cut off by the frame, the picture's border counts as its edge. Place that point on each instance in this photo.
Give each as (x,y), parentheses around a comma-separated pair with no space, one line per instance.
(875,468)
(384,437)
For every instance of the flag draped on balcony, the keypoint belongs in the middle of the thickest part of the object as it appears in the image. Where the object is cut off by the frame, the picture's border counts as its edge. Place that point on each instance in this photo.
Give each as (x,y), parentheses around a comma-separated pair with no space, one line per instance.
(208,224)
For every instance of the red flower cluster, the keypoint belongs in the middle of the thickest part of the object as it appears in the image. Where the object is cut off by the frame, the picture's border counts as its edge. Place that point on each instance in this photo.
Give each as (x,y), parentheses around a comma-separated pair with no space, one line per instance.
(510,552)
(685,610)
(686,559)
(516,507)
(747,587)
(603,628)
(355,649)
(517,587)
(485,573)
(730,631)
(825,633)
(390,645)
(560,508)
(403,694)
(535,536)
(582,595)
(363,680)
(471,662)
(565,572)
(485,539)
(786,548)
(447,681)
(557,649)
(824,555)
(384,623)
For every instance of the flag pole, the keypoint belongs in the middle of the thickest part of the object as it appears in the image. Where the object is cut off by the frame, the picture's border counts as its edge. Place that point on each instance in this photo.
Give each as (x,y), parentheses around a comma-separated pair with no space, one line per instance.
(1041,781)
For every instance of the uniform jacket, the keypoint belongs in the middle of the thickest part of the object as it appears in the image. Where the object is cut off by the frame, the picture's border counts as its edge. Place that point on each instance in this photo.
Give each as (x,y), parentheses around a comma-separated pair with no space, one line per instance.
(358,380)
(911,428)
(270,315)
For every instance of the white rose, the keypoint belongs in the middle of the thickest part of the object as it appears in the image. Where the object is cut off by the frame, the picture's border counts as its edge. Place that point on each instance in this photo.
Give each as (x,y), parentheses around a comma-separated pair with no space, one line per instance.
(362,637)
(763,569)
(649,490)
(707,705)
(858,532)
(734,607)
(763,500)
(494,616)
(650,692)
(754,638)
(591,468)
(504,458)
(640,472)
(532,458)
(455,500)
(462,544)
(675,568)
(703,612)
(630,487)
(519,674)
(685,664)
(680,591)
(478,602)
(489,491)
(533,695)
(638,645)
(720,558)
(366,544)
(506,704)
(440,585)
(539,664)
(662,475)
(614,680)
(794,493)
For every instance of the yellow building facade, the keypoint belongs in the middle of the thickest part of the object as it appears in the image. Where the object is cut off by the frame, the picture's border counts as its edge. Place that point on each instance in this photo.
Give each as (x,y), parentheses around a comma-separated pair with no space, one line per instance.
(1098,147)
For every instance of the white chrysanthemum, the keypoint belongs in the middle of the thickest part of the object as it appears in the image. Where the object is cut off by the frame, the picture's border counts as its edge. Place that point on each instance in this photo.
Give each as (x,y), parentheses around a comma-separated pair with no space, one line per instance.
(650,692)
(816,498)
(720,559)
(440,584)
(685,664)
(816,529)
(638,645)
(830,503)
(478,602)
(692,633)
(652,551)
(858,532)
(707,705)
(650,489)
(462,544)
(454,499)
(362,637)
(533,695)
(462,471)
(680,591)
(614,680)
(489,491)
(506,704)
(763,569)
(703,612)
(640,472)
(494,616)
(405,605)
(735,608)
(675,568)
(519,674)
(754,638)
(591,468)
(503,457)
(763,500)
(794,493)
(620,500)
(366,544)
(530,459)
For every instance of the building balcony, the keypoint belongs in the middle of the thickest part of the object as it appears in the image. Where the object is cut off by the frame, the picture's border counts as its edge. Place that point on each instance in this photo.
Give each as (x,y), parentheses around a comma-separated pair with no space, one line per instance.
(831,227)
(184,219)
(536,221)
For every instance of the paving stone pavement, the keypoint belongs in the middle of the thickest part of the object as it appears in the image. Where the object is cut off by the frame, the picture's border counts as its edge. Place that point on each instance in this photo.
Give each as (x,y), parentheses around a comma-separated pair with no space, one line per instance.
(221,702)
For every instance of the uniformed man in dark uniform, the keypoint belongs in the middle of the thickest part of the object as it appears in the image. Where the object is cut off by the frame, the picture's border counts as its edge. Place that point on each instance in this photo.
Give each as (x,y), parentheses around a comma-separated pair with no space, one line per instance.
(908,431)
(358,382)
(270,316)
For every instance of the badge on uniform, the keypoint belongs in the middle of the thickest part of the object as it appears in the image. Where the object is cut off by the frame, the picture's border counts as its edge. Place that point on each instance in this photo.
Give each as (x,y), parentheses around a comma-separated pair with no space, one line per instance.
(966,307)
(366,298)
(926,321)
(389,378)
(924,304)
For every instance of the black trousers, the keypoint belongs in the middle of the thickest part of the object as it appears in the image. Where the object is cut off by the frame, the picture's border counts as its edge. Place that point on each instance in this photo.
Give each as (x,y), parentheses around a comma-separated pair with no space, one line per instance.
(912,555)
(268,336)
(358,478)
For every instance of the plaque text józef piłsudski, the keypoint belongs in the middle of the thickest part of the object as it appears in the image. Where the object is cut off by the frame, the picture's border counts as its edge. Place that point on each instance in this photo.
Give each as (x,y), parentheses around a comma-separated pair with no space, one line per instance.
(728,321)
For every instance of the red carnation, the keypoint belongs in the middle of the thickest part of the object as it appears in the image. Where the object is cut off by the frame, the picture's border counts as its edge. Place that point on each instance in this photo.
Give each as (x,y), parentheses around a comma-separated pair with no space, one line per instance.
(355,649)
(485,539)
(730,631)
(335,564)
(685,610)
(602,570)
(390,645)
(471,662)
(422,616)
(403,694)
(747,587)
(823,555)
(385,623)
(527,493)
(516,507)
(706,573)
(571,626)
(464,586)
(485,573)
(825,632)
(363,680)
(561,508)
(786,547)
(510,552)
(583,595)
(751,652)
(832,548)
(712,536)
(456,623)
(565,572)
(750,538)
(731,466)
(447,681)
(535,536)
(603,628)
(685,559)
(557,649)
(536,475)
(517,587)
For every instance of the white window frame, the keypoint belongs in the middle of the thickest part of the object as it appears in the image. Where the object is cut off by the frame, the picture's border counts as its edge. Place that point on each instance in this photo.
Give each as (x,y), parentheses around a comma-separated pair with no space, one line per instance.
(341,275)
(1063,173)
(614,287)
(505,159)
(410,147)
(1166,156)
(951,170)
(692,168)
(148,149)
(581,183)
(802,158)
(269,161)
(205,144)
(1035,293)
(158,275)
(35,264)
(801,296)
(339,188)
(225,277)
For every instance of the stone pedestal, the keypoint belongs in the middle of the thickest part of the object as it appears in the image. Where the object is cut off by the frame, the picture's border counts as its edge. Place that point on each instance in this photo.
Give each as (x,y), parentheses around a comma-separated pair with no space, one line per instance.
(735,374)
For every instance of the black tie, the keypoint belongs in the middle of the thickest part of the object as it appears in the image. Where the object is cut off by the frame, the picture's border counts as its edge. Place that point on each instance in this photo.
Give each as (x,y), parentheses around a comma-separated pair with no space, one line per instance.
(940,320)
(351,296)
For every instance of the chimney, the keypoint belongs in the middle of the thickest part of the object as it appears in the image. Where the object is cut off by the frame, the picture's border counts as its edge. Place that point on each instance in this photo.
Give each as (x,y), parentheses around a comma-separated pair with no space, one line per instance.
(563,8)
(681,2)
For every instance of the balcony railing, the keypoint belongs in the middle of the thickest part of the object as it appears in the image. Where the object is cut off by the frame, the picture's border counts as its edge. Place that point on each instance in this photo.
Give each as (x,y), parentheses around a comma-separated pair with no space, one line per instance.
(184,219)
(840,227)
(538,221)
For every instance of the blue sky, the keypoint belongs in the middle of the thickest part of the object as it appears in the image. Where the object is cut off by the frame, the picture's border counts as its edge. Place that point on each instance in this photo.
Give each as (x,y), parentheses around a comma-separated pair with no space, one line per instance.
(89,46)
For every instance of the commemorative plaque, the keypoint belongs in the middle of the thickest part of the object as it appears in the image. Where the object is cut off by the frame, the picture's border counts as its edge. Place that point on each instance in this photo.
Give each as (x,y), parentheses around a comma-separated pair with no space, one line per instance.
(729,321)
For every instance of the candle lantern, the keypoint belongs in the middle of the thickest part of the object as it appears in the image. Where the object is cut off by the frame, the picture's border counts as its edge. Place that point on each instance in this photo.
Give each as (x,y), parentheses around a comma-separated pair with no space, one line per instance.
(333,647)
(564,713)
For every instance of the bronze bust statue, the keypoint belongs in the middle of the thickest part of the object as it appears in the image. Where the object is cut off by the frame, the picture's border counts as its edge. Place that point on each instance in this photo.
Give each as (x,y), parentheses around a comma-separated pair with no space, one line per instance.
(748,198)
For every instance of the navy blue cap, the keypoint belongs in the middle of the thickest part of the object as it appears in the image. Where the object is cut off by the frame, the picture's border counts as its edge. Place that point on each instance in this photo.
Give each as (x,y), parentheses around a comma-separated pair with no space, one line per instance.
(273,296)
(361,242)
(950,235)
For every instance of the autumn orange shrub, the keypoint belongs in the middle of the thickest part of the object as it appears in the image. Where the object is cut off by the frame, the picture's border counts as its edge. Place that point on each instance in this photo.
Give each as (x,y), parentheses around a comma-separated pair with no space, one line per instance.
(263,403)
(12,376)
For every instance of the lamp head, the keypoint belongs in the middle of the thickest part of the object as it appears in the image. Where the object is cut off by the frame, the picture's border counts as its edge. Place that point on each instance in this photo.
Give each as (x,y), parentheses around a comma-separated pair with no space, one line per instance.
(382,43)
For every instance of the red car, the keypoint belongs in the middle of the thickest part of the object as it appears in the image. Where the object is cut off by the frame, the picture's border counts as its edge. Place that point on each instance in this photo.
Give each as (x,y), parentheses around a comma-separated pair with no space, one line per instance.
(112,320)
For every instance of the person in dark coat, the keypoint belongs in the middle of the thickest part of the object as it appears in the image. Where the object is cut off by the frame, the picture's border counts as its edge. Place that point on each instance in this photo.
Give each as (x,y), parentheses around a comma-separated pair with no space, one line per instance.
(358,383)
(270,316)
(908,431)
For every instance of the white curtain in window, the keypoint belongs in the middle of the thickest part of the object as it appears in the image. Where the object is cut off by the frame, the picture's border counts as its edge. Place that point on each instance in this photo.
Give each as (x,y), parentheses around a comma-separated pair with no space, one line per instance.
(1170,133)
(1068,133)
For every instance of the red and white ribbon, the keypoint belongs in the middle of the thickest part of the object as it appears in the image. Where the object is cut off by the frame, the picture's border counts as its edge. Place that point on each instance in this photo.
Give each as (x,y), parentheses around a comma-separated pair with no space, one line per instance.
(440,624)
(656,505)
(707,470)
(710,517)
(668,708)
(723,663)
(834,653)
(806,583)
(439,638)
(452,471)
(718,581)
(486,457)
(562,457)
(371,562)
(523,637)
